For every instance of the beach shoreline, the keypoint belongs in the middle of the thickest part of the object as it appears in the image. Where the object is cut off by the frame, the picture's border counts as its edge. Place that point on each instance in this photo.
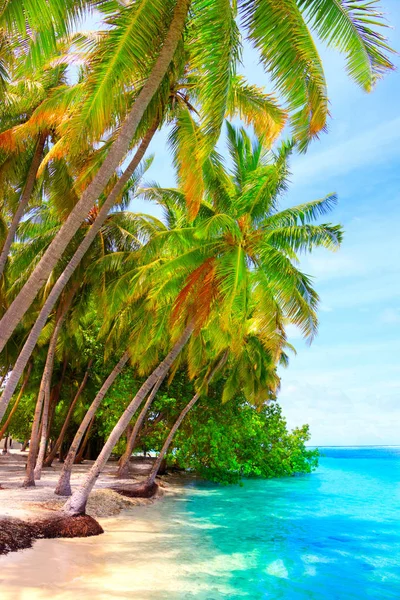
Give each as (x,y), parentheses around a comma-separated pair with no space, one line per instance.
(22,508)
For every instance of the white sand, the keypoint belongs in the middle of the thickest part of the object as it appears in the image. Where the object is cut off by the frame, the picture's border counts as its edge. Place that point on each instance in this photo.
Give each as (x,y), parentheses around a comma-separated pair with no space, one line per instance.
(125,562)
(23,503)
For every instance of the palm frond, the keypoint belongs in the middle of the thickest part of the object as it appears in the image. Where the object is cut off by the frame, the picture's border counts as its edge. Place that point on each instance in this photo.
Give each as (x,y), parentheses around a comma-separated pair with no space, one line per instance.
(352,27)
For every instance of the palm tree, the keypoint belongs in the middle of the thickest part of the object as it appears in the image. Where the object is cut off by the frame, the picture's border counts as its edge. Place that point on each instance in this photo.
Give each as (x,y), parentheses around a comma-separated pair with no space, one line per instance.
(118,233)
(119,149)
(247,101)
(77,502)
(238,249)
(280,33)
(99,218)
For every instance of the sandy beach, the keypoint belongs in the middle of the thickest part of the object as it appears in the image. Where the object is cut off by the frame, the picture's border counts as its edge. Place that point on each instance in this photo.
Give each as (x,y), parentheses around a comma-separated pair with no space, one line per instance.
(91,567)
(37,501)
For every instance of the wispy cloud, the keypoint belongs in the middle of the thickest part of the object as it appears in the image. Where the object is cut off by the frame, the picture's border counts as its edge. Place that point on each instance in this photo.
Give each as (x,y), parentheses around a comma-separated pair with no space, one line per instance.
(373,146)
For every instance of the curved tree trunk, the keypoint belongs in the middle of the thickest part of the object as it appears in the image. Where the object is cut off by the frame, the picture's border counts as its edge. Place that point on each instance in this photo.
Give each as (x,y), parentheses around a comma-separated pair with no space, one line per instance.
(49,459)
(149,483)
(123,469)
(29,480)
(77,503)
(64,483)
(80,456)
(116,154)
(23,202)
(16,403)
(61,282)
(157,464)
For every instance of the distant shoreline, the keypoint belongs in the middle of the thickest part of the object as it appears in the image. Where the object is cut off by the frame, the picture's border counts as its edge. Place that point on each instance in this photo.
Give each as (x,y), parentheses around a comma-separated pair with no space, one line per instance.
(358,446)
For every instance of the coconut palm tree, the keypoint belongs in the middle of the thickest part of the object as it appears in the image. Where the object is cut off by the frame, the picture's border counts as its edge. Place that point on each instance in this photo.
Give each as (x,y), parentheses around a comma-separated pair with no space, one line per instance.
(239,247)
(119,233)
(145,37)
(244,100)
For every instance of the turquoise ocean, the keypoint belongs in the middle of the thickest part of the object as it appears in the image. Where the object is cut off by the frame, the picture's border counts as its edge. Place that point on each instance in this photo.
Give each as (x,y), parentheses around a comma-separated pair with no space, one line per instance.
(334,534)
(330,535)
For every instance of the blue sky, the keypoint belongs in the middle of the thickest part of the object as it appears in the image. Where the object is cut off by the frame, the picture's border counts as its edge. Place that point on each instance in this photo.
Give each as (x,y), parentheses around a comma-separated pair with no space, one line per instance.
(347,384)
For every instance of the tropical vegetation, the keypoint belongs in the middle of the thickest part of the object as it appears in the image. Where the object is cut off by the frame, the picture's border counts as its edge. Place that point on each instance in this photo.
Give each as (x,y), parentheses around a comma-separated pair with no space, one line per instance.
(121,330)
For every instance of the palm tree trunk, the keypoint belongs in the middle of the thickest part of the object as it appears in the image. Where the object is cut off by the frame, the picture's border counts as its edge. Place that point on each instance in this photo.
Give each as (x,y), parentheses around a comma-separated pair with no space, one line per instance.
(44,430)
(116,154)
(60,439)
(64,483)
(23,202)
(16,403)
(29,480)
(123,469)
(80,456)
(154,471)
(77,503)
(61,282)
(156,467)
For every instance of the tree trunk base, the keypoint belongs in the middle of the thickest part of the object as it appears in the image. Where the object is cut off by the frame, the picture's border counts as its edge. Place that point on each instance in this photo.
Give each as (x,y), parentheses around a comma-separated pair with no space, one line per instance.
(123,471)
(28,483)
(137,490)
(63,487)
(16,534)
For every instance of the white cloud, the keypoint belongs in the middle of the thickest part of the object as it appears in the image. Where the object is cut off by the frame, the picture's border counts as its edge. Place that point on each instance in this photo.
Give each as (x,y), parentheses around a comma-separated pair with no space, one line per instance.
(335,418)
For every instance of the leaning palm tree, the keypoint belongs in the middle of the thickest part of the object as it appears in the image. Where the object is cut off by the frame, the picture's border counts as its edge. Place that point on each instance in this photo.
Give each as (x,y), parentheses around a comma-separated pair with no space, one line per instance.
(279,31)
(239,247)
(119,234)
(244,100)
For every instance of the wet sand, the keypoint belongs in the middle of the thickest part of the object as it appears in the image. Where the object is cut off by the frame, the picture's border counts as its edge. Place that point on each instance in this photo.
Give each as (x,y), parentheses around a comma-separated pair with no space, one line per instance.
(109,566)
(129,560)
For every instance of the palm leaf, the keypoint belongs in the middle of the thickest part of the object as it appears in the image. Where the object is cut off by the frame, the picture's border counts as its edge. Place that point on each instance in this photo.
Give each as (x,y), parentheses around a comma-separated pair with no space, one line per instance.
(254,107)
(289,54)
(214,49)
(352,27)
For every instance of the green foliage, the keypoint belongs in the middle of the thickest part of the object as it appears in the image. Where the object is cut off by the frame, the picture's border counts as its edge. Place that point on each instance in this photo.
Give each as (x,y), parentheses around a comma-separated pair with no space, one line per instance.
(227,442)
(235,441)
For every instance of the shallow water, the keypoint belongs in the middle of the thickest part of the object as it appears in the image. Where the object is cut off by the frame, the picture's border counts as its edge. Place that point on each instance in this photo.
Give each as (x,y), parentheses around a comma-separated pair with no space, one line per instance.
(334,534)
